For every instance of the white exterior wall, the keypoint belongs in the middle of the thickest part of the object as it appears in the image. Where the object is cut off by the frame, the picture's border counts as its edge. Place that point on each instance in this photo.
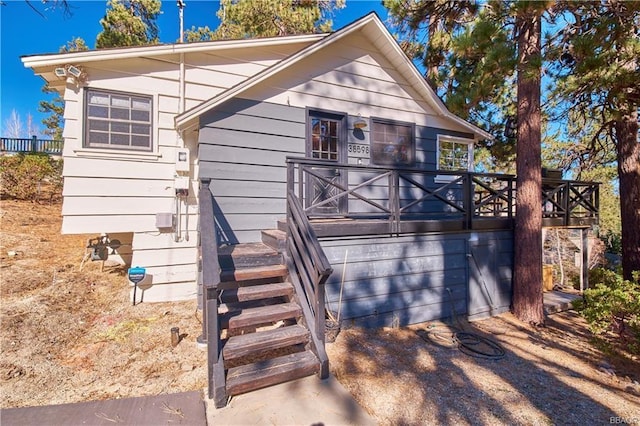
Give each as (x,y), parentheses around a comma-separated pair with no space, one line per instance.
(112,191)
(353,77)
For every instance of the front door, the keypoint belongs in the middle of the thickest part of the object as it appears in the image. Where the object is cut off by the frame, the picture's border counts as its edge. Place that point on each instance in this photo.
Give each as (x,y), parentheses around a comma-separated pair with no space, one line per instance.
(326,140)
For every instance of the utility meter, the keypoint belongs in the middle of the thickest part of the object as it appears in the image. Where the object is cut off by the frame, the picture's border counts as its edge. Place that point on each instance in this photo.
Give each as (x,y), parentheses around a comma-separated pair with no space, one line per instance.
(182,160)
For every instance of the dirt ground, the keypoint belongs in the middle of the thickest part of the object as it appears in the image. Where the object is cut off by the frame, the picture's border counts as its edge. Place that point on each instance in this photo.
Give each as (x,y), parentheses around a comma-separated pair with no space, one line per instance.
(68,335)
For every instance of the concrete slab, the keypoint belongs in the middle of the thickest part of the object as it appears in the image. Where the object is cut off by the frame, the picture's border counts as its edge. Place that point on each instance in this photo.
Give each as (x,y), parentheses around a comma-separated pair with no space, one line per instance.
(186,408)
(307,401)
(557,301)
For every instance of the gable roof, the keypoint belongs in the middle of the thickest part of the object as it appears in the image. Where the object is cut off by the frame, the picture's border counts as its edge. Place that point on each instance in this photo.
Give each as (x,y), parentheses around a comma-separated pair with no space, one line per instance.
(371,24)
(45,64)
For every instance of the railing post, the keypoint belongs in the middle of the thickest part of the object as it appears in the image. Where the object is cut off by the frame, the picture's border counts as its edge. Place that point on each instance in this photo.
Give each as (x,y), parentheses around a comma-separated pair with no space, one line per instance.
(566,193)
(34,143)
(394,202)
(468,200)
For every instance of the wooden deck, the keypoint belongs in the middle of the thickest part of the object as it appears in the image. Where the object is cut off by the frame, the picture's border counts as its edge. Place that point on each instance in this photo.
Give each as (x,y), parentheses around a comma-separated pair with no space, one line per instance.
(373,200)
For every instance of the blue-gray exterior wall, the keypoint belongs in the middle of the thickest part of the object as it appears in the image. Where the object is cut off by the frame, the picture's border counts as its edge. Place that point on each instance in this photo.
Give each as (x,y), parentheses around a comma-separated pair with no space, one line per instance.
(387,280)
(242,147)
(408,279)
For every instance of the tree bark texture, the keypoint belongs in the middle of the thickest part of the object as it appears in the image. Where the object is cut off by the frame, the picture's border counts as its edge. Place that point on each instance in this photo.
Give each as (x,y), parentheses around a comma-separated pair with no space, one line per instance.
(628,152)
(527,282)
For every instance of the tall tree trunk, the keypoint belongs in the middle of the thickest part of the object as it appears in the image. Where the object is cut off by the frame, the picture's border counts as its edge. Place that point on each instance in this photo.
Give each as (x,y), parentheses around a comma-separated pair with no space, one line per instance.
(527,285)
(628,151)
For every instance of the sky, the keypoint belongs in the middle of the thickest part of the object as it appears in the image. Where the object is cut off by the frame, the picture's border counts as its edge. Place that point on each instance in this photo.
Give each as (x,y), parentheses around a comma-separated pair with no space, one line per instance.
(24,31)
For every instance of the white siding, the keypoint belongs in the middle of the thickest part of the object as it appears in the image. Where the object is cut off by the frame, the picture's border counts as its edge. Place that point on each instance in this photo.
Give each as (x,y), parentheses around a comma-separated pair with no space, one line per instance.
(354,78)
(109,191)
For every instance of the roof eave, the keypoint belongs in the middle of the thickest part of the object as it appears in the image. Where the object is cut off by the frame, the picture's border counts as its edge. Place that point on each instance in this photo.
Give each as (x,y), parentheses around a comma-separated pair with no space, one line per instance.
(37,61)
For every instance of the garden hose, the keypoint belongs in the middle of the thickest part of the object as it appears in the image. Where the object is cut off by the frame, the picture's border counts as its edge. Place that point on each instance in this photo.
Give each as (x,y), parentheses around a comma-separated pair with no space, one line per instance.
(469,343)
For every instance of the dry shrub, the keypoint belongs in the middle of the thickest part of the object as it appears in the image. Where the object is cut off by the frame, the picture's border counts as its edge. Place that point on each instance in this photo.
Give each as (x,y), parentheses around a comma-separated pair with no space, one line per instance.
(32,177)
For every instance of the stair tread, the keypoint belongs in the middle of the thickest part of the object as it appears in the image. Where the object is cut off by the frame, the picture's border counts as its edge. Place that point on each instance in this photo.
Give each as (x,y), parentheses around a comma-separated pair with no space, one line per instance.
(246,344)
(256,292)
(237,318)
(270,372)
(246,249)
(248,255)
(276,233)
(243,274)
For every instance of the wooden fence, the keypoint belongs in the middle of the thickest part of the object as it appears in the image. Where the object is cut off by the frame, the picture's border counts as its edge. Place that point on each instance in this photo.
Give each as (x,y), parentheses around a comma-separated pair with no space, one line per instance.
(35,145)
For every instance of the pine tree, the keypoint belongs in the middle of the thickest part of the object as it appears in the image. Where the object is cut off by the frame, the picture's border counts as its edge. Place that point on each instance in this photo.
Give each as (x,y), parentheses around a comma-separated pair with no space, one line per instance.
(241,19)
(527,301)
(129,23)
(598,77)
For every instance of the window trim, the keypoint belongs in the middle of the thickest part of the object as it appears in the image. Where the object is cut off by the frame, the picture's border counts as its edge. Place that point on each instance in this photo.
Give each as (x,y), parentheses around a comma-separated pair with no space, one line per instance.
(412,150)
(151,151)
(470,160)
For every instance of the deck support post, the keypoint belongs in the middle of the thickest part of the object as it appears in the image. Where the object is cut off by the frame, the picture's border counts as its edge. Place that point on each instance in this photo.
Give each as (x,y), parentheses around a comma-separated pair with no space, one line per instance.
(584,263)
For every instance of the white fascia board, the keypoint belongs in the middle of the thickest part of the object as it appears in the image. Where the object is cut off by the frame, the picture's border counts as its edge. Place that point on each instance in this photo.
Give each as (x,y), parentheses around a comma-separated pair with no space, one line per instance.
(37,61)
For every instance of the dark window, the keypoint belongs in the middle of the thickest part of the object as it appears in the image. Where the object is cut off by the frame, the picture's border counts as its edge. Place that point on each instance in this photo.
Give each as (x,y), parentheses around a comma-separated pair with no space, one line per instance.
(392,142)
(118,120)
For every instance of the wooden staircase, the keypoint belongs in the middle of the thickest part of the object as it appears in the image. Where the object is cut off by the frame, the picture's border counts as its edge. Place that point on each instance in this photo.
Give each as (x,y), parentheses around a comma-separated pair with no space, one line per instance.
(264,338)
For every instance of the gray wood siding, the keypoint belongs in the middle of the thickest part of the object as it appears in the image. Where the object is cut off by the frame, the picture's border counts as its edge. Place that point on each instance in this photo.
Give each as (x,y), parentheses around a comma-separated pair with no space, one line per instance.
(243,146)
(387,281)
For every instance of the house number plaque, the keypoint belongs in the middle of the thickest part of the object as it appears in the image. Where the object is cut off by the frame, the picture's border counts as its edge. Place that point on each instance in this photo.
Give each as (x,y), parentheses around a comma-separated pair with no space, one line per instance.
(358,150)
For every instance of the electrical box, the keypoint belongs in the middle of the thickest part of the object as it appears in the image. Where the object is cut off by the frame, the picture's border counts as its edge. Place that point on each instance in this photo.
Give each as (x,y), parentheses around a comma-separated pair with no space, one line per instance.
(181,182)
(182,160)
(164,220)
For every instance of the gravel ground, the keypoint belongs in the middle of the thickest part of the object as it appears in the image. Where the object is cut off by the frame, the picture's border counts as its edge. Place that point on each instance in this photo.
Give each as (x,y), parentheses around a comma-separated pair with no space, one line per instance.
(550,375)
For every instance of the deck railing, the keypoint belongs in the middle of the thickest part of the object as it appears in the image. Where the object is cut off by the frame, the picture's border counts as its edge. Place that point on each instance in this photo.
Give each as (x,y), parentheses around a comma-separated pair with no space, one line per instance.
(210,292)
(309,269)
(16,145)
(413,200)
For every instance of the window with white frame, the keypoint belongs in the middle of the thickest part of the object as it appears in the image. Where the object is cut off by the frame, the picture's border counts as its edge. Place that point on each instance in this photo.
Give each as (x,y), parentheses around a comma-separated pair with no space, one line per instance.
(118,121)
(454,153)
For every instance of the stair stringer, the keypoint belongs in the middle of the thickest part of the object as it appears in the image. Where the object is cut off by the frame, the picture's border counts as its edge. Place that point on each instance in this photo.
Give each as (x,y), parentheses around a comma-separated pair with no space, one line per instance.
(316,342)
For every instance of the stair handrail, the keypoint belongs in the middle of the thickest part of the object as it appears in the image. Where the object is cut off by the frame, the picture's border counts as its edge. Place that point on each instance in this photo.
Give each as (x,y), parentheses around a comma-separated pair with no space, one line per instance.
(210,281)
(309,269)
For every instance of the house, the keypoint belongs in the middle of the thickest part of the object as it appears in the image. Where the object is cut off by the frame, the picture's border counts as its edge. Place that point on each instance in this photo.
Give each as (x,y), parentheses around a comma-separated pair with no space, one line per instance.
(288,176)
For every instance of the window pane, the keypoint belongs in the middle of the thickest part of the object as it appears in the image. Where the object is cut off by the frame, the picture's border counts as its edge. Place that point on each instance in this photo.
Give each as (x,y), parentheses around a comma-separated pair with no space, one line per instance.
(121,101)
(98,125)
(119,114)
(140,115)
(120,127)
(118,139)
(97,137)
(97,111)
(142,104)
(140,141)
(453,155)
(140,129)
(98,99)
